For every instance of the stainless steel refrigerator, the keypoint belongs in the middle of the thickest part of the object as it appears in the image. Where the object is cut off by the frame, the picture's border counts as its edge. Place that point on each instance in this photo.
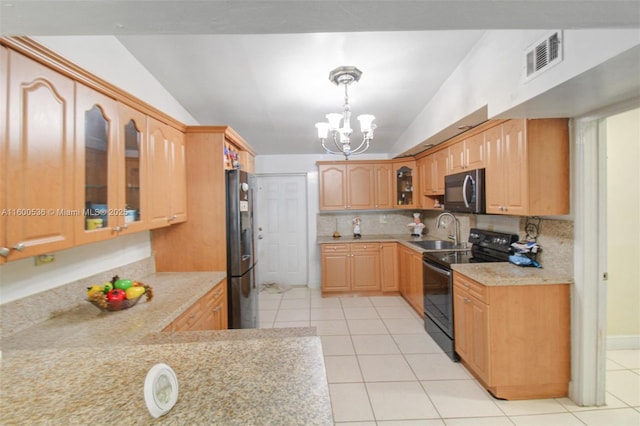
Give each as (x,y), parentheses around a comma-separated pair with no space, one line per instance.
(241,251)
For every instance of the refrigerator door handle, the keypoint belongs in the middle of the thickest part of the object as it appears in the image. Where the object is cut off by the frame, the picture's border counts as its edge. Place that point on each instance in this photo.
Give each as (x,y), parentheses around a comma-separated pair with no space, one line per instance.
(246,257)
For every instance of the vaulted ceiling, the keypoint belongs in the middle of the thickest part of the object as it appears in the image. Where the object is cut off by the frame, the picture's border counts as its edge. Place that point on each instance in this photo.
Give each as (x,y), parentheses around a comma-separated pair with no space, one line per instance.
(262,66)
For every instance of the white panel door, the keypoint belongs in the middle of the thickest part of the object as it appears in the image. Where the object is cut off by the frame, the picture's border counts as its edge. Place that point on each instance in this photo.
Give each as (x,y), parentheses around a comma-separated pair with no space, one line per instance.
(281,218)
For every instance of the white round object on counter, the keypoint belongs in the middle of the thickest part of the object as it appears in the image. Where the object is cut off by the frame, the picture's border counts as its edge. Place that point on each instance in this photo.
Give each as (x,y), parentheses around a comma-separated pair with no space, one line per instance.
(160,390)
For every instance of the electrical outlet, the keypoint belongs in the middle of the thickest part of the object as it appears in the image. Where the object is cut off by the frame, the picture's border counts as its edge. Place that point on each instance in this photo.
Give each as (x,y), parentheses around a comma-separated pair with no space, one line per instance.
(43,259)
(383,218)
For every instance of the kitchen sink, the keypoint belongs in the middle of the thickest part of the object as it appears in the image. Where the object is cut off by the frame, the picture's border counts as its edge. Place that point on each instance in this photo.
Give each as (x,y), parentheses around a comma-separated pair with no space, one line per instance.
(434,244)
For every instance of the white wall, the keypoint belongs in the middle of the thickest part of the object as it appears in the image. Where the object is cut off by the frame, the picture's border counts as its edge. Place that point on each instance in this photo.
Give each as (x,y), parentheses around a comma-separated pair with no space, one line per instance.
(492,75)
(623,227)
(305,164)
(108,59)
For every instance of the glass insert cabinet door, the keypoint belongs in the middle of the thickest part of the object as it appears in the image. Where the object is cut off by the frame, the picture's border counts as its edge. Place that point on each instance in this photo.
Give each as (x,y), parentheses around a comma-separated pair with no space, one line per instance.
(404,186)
(96,157)
(133,207)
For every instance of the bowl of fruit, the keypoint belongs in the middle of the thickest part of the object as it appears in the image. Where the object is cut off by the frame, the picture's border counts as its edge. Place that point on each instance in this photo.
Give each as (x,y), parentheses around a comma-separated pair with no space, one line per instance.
(118,294)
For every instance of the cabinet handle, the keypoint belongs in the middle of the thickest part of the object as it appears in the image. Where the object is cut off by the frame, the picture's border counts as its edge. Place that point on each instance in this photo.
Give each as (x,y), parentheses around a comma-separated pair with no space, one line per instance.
(4,252)
(19,247)
(217,309)
(467,300)
(117,229)
(172,218)
(125,226)
(465,284)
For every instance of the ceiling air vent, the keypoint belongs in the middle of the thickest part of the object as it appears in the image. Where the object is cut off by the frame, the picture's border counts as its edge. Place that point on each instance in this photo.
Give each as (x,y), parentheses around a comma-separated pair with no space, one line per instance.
(543,54)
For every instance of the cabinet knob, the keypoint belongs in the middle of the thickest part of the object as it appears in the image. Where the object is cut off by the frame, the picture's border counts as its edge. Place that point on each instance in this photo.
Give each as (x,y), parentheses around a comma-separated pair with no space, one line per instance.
(19,247)
(467,300)
(117,229)
(217,309)
(4,252)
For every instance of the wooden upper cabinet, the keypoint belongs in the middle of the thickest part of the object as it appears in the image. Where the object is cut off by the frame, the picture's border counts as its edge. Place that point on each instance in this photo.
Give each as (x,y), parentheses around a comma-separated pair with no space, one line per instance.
(39,162)
(167,175)
(527,167)
(467,154)
(474,151)
(333,186)
(435,169)
(383,186)
(133,173)
(360,186)
(355,186)
(98,162)
(405,178)
(178,185)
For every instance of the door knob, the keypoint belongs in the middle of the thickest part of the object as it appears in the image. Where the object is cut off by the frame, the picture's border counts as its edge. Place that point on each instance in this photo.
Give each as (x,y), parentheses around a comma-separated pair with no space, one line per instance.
(260,237)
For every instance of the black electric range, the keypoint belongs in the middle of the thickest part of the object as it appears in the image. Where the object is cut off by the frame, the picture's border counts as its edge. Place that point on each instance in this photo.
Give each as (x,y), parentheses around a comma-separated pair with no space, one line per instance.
(487,246)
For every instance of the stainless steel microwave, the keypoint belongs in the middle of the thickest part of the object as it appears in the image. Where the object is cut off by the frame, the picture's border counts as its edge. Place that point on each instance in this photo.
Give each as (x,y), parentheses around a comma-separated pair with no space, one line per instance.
(464,192)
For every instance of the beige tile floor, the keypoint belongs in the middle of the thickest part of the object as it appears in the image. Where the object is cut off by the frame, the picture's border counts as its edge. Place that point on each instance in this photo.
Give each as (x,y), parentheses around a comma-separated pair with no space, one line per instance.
(384,369)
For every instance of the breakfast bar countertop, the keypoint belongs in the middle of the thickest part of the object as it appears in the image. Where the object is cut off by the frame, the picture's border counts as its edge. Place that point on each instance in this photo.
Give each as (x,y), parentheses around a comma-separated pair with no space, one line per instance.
(84,366)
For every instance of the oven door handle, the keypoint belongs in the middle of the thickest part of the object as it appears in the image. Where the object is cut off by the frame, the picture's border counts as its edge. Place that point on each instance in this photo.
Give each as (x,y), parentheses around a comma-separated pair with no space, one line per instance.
(435,268)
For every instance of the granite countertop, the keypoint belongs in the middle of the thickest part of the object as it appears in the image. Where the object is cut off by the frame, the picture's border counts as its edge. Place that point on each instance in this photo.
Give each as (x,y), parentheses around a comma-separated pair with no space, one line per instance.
(505,273)
(244,382)
(85,366)
(85,325)
(491,274)
(403,239)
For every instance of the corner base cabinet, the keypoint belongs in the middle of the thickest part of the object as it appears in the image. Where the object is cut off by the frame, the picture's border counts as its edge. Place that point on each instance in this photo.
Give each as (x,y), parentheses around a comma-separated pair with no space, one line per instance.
(514,339)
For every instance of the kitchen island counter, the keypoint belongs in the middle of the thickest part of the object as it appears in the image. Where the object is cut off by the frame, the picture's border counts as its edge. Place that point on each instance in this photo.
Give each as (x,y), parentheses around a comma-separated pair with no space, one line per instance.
(248,381)
(85,366)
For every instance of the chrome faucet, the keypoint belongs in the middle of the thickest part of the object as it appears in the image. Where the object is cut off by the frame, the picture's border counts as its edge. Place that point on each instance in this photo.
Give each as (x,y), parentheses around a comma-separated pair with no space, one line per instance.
(453,237)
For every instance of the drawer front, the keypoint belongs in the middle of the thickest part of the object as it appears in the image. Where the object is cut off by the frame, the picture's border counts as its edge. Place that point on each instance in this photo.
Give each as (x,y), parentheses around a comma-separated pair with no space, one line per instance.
(334,248)
(473,288)
(365,247)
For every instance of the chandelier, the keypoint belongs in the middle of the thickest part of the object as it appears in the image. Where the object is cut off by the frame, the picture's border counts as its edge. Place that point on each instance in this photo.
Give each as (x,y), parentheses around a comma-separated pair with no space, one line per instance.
(342,135)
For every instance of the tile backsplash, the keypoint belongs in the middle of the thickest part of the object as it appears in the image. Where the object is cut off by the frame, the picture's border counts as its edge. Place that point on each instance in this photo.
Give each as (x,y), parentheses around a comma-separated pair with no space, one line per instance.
(554,236)
(390,223)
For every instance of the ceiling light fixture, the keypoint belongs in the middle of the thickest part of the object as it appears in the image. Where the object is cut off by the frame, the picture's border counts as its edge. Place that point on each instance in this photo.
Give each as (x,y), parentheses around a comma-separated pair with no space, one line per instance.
(342,135)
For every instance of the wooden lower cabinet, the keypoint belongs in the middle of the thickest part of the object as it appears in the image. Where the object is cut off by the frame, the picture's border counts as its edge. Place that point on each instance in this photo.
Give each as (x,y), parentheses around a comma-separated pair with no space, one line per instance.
(359,267)
(389,266)
(365,267)
(410,278)
(514,339)
(208,313)
(336,268)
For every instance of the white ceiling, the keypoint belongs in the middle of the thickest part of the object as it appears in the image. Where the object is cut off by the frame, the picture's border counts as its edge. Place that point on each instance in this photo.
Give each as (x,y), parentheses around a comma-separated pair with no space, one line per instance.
(262,66)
